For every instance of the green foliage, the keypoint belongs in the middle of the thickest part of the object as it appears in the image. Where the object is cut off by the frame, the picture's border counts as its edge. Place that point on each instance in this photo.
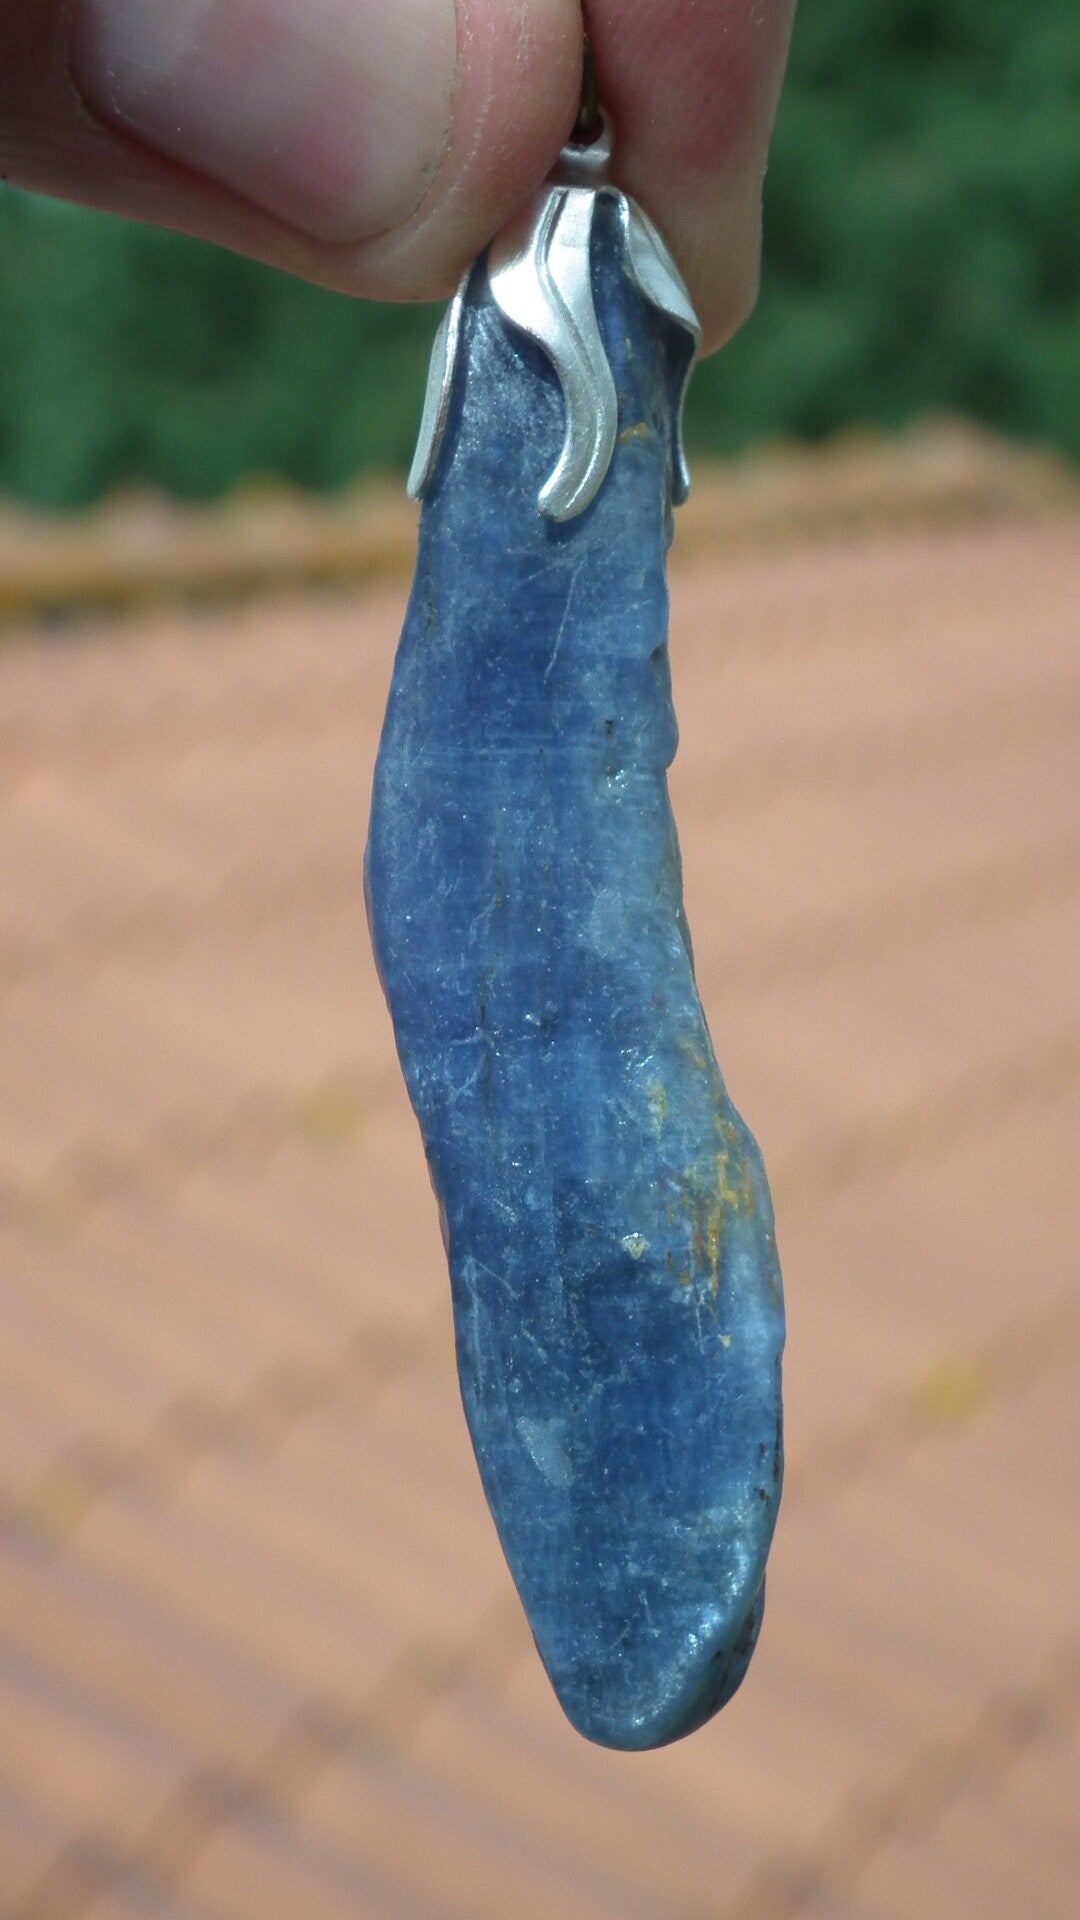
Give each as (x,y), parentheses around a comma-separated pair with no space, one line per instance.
(922,253)
(127,352)
(922,227)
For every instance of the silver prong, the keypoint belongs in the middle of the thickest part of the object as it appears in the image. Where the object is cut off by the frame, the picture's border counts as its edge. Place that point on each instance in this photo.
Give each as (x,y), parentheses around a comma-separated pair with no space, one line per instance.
(659,281)
(440,389)
(541,280)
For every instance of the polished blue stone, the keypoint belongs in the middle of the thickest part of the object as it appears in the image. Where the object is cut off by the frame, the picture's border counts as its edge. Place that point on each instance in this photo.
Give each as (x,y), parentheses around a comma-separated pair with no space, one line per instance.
(616,1288)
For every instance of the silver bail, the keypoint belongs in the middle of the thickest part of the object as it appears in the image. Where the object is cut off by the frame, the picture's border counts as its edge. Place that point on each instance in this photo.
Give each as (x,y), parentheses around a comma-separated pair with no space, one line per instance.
(539,271)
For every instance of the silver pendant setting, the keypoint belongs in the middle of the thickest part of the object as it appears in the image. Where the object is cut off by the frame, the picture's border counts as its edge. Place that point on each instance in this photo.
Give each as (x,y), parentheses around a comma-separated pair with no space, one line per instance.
(539,274)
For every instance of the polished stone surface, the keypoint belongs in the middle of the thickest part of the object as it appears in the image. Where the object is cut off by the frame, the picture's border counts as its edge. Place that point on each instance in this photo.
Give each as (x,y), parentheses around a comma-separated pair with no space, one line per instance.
(610,1235)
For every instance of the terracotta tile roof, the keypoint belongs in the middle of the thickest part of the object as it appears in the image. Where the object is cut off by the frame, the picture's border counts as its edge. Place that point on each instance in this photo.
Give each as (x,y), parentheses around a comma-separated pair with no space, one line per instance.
(259,1655)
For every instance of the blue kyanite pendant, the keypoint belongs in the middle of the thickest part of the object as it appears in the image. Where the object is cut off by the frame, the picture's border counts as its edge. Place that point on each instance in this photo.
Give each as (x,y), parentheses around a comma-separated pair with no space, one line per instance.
(607,1219)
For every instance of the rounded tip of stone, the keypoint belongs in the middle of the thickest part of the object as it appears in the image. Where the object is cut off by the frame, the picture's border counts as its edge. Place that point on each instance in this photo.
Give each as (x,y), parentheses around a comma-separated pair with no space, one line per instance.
(608,1707)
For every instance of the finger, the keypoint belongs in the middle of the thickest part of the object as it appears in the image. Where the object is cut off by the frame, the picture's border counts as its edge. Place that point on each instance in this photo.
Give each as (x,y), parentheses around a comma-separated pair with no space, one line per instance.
(692,87)
(373,145)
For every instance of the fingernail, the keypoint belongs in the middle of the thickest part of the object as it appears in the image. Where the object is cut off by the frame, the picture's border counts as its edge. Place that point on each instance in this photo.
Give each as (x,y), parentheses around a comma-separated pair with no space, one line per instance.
(330,114)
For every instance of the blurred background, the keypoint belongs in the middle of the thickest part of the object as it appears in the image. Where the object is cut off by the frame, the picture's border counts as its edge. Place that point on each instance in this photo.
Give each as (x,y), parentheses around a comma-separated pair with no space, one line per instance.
(259,1654)
(922,257)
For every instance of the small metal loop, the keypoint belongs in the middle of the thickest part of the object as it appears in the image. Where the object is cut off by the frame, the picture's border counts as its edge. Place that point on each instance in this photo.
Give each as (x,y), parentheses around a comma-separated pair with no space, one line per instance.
(579,166)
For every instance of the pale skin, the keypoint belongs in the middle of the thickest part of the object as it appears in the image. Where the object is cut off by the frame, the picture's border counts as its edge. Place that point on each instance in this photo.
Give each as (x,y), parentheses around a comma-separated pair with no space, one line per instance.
(376,146)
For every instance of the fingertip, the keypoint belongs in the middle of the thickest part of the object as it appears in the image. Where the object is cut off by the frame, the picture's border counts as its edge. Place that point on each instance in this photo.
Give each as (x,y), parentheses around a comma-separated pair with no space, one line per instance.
(515,97)
(720,245)
(693,92)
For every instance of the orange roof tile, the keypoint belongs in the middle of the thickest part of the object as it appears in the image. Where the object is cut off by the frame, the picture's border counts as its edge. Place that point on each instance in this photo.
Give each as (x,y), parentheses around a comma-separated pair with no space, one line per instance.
(259,1654)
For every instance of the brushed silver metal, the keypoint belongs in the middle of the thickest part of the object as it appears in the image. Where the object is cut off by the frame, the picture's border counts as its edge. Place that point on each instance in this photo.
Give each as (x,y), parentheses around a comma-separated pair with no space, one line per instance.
(585,166)
(540,274)
(437,398)
(541,281)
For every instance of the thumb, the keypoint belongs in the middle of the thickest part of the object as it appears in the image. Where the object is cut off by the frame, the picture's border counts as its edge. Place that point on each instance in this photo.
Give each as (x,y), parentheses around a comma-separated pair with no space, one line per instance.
(374,145)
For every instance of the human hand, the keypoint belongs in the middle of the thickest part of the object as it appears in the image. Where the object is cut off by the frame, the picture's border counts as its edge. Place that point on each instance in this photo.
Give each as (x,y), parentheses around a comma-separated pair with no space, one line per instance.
(377,145)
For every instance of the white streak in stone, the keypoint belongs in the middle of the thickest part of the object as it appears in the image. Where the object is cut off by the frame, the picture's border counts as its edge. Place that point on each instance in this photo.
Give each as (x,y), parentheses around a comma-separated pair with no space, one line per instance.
(544,1444)
(574,578)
